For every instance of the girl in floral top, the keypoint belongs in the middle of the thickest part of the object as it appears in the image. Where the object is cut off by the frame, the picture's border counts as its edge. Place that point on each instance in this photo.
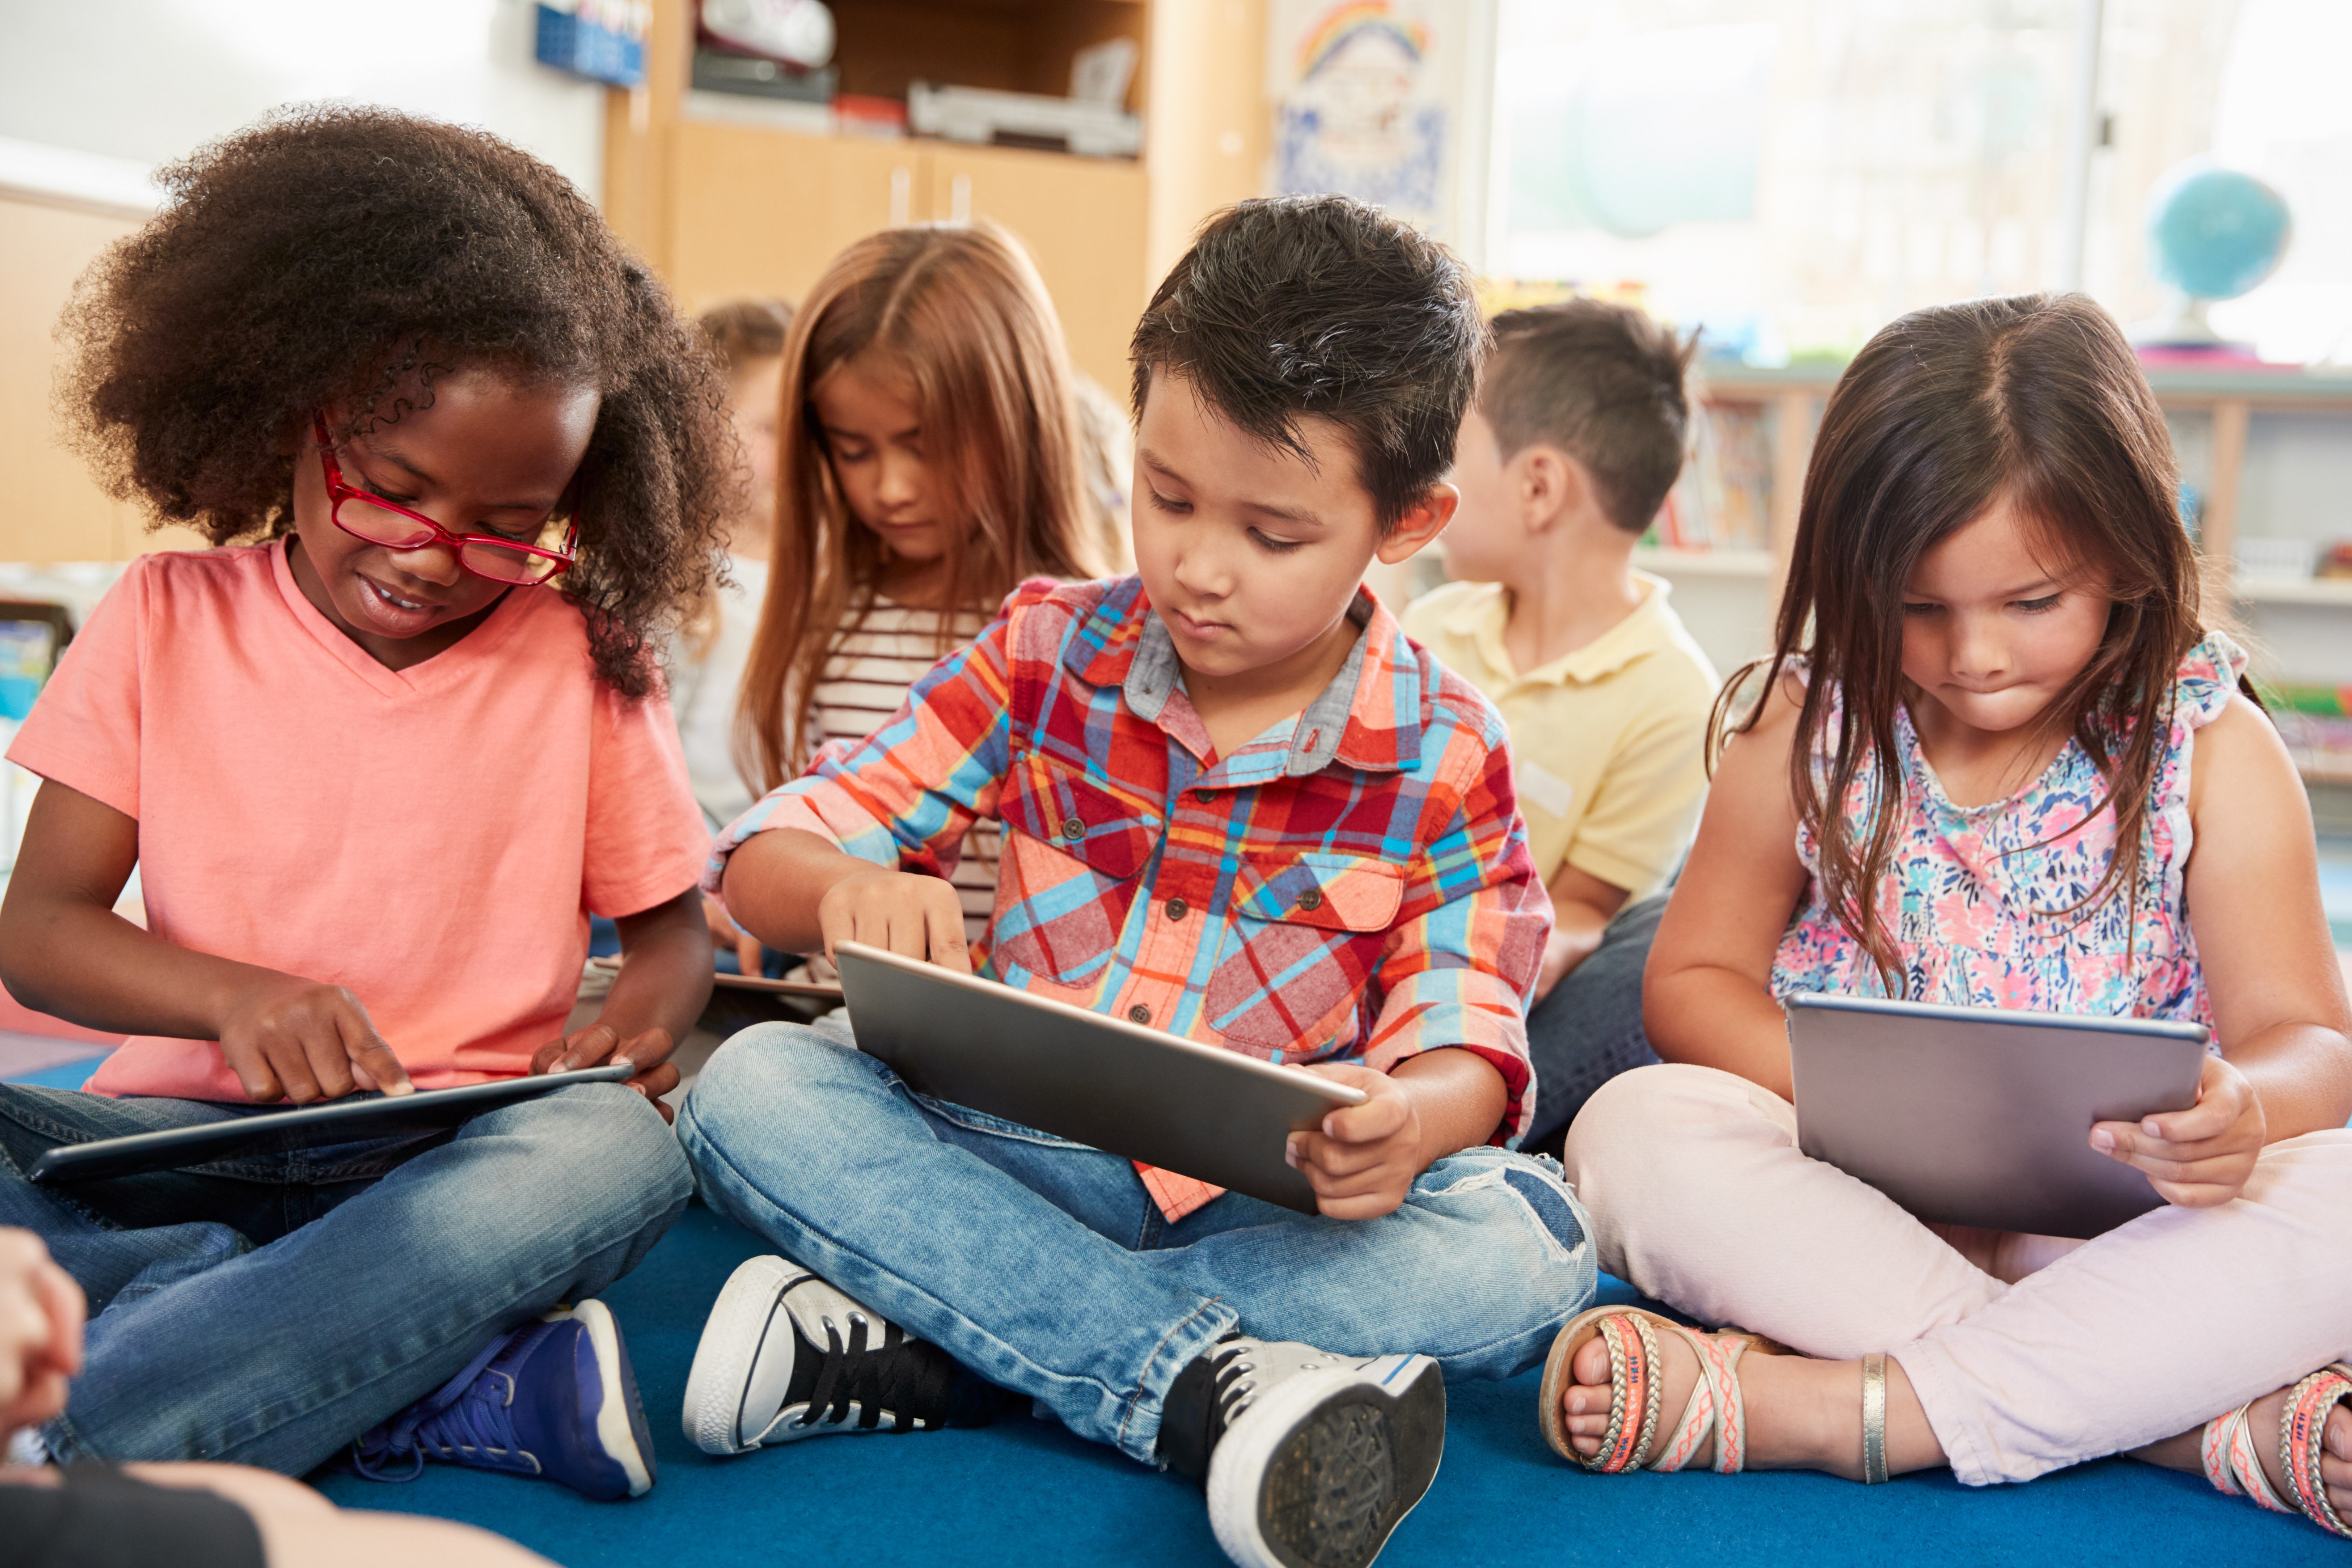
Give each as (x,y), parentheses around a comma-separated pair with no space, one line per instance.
(1998,760)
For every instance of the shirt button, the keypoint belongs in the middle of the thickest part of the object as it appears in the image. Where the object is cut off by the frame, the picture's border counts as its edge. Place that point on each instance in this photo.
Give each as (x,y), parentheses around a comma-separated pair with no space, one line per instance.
(1312,899)
(1139,1013)
(1074,829)
(1178,909)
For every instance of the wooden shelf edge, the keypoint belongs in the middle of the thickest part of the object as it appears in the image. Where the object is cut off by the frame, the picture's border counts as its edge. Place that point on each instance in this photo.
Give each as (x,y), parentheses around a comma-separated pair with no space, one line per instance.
(2319,591)
(2284,391)
(2322,591)
(1756,564)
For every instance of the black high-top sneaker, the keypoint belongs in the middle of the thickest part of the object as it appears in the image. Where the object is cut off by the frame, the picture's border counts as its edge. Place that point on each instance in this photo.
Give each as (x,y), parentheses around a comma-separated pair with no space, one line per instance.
(1311,1459)
(785,1356)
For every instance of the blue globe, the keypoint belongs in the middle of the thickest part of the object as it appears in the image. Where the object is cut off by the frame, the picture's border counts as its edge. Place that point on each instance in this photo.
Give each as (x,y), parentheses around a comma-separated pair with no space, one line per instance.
(2212,232)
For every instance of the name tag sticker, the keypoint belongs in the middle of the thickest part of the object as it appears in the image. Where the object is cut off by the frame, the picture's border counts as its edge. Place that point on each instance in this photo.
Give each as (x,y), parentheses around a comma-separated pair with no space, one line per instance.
(1547,790)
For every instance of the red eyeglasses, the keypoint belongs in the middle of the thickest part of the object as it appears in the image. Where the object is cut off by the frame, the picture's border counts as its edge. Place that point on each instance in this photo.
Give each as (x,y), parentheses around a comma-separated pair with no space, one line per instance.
(493,555)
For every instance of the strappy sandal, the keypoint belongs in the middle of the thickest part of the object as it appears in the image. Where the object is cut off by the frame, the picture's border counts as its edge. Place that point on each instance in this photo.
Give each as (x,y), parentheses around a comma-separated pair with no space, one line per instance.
(2234,1465)
(1636,1387)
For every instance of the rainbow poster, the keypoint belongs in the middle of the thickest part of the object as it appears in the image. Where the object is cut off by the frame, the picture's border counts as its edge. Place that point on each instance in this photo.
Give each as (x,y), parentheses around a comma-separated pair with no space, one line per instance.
(1368,102)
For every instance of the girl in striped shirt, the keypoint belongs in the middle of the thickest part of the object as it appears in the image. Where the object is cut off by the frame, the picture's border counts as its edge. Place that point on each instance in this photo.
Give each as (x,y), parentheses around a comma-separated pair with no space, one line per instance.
(929,462)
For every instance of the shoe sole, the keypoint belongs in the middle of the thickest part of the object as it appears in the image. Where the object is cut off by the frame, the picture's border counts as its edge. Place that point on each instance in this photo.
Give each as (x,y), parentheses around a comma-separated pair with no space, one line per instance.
(749,1307)
(1327,1476)
(621,1428)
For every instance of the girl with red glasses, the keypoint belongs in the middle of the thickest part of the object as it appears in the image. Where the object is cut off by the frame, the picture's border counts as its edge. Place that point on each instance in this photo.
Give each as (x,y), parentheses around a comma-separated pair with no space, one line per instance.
(378,757)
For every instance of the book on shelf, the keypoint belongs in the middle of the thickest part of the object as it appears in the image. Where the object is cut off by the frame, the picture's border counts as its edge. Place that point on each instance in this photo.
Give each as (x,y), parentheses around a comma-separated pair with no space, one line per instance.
(1722,498)
(2315,722)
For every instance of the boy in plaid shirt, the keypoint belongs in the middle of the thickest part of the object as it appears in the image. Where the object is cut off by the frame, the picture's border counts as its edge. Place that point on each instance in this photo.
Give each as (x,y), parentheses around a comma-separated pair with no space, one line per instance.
(1238,805)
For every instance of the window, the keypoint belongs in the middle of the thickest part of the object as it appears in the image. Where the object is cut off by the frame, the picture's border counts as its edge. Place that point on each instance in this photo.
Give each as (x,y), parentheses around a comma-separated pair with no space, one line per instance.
(1793,174)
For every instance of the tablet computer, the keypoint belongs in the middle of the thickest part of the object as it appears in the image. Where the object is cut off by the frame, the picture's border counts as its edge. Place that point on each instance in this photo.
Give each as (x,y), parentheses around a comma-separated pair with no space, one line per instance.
(346,1121)
(815,990)
(1196,1110)
(1982,1116)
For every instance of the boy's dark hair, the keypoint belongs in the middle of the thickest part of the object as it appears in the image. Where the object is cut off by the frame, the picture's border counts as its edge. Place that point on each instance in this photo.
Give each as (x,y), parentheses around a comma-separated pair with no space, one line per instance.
(1604,384)
(330,255)
(1323,305)
(745,330)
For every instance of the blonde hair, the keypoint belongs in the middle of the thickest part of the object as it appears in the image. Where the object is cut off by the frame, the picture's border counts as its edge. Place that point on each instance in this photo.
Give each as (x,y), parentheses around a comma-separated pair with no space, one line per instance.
(747,330)
(962,312)
(744,332)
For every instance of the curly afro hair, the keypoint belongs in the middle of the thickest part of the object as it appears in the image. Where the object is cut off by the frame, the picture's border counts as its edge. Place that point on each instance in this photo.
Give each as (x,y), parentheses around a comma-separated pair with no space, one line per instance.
(335,256)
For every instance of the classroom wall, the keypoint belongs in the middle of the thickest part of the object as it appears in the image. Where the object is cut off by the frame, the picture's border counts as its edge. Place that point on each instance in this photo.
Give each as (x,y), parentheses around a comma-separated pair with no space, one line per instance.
(55,512)
(153,79)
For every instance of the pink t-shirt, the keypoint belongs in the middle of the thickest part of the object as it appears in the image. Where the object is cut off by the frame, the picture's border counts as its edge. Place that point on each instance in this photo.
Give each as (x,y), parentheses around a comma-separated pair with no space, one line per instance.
(433,839)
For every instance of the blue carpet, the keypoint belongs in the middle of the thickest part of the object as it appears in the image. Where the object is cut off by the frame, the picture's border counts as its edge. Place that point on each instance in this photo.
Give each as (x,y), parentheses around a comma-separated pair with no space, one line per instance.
(1026,1491)
(64,1075)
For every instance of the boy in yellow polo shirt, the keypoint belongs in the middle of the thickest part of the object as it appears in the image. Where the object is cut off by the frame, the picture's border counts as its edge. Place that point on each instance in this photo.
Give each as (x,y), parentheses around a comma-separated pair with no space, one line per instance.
(1568,454)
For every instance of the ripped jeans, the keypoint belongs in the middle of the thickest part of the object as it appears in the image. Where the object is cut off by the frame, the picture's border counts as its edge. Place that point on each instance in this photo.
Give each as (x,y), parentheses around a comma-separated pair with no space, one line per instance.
(1044,1267)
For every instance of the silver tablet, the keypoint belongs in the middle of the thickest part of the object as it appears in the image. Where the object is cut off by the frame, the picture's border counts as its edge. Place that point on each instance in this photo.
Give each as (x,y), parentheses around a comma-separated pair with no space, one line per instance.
(1198,1111)
(347,1121)
(1982,1116)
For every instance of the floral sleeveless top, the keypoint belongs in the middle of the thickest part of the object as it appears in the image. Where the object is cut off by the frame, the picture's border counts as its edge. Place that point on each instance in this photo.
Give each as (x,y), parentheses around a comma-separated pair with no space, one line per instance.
(1974,895)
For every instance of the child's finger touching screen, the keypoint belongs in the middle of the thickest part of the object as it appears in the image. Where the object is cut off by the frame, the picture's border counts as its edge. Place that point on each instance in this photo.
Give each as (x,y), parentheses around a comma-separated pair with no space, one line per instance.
(301,1040)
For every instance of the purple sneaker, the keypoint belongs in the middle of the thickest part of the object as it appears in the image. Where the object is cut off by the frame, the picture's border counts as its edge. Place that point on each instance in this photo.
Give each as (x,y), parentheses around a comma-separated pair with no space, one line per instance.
(553,1398)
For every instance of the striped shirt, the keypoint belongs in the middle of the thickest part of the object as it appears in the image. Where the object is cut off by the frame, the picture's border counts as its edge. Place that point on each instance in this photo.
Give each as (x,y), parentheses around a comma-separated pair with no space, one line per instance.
(1351,886)
(866,679)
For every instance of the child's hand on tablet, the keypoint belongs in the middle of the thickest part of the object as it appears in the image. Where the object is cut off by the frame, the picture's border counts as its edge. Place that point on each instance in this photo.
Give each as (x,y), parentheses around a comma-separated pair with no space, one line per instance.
(1361,1162)
(599,1043)
(904,911)
(299,1040)
(2200,1157)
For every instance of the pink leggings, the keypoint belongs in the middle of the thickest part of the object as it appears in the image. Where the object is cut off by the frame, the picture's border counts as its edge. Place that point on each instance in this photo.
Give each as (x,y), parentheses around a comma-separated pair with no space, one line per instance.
(1699,1197)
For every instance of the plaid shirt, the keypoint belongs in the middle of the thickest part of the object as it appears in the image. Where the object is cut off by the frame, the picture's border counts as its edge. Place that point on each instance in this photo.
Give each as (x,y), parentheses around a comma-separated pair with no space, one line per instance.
(1353,886)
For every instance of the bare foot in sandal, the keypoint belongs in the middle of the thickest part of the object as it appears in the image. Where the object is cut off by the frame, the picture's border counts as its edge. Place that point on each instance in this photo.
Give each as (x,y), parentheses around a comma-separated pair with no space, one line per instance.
(1792,1413)
(1613,1371)
(2222,1453)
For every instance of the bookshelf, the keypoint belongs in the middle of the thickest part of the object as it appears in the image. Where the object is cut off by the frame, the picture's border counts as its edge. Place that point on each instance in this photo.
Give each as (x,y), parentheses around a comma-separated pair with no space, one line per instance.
(2266,455)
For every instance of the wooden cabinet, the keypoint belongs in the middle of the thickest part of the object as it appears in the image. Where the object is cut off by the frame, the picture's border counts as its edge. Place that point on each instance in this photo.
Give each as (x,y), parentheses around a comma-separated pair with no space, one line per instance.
(724,206)
(1082,219)
(56,511)
(754,211)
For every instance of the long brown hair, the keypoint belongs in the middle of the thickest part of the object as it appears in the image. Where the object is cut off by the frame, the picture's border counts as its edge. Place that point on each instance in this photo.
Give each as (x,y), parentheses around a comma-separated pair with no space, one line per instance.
(2035,399)
(962,312)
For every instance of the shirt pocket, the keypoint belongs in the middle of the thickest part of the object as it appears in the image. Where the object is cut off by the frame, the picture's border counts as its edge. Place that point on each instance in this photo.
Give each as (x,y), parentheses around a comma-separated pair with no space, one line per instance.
(1067,871)
(1306,938)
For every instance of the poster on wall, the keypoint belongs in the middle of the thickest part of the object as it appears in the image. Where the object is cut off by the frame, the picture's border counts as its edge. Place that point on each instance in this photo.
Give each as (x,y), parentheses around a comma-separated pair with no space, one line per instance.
(1369,102)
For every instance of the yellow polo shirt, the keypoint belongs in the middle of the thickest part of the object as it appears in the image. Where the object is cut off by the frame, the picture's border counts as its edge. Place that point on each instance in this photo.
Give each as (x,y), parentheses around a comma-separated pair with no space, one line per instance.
(1607,742)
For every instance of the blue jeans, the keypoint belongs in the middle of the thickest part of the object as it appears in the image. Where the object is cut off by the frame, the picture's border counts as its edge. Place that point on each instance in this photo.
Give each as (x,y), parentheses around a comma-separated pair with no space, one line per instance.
(268,1310)
(1588,1029)
(1044,1267)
